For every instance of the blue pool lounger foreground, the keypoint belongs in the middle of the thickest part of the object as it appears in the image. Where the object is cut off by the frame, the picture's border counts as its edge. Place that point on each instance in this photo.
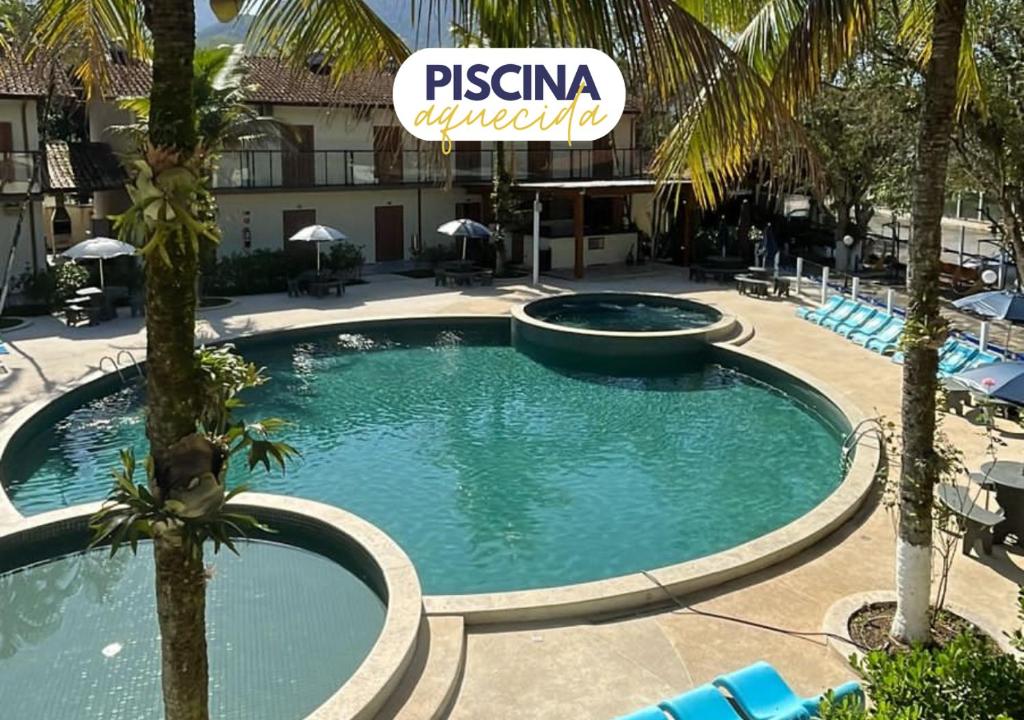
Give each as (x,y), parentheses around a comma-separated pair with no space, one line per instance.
(756,692)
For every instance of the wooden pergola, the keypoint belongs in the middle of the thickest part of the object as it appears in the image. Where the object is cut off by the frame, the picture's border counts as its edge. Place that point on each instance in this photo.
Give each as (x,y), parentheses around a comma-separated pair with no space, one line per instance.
(577,190)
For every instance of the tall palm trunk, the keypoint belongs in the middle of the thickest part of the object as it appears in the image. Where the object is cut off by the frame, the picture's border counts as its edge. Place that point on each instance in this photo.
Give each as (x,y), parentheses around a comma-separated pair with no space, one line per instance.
(171,399)
(925,329)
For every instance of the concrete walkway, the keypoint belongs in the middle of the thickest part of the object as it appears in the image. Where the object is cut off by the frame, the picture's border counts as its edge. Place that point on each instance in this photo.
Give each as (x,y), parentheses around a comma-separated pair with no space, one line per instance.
(601,670)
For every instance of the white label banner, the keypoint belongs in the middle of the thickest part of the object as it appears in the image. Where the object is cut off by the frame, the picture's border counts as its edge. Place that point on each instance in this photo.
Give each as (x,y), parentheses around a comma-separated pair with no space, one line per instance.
(555,94)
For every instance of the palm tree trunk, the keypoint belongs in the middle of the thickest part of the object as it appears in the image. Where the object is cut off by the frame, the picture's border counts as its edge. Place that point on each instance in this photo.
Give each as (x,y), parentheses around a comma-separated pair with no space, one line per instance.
(171,400)
(926,329)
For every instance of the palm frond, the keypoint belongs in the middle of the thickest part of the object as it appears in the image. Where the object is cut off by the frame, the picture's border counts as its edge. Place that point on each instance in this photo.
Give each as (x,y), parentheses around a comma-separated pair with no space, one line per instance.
(765,37)
(915,34)
(90,34)
(347,34)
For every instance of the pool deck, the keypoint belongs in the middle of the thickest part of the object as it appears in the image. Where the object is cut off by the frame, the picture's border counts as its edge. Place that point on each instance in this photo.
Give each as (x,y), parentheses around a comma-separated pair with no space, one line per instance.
(599,670)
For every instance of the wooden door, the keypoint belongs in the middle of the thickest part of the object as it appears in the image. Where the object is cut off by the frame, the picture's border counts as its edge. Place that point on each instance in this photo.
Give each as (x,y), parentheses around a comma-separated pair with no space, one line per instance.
(388,233)
(602,158)
(301,255)
(538,159)
(298,166)
(467,160)
(7,170)
(387,154)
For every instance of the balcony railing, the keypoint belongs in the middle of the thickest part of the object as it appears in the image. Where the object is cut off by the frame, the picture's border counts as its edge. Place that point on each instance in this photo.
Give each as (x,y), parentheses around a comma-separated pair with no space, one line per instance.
(254,169)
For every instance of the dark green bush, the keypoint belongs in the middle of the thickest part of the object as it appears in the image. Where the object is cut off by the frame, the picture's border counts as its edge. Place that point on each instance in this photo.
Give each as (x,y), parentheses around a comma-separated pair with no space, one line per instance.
(968,679)
(260,271)
(38,288)
(345,257)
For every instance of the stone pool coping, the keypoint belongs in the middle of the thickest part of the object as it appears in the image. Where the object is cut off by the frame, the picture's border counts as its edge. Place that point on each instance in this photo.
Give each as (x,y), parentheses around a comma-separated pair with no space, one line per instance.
(630,592)
(620,342)
(363,695)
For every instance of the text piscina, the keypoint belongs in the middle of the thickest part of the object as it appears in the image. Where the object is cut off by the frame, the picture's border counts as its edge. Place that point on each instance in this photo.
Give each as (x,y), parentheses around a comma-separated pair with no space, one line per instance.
(556,94)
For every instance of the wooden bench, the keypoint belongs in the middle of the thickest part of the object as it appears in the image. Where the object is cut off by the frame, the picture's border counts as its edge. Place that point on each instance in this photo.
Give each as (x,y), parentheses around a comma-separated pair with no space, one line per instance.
(977,522)
(962,280)
(747,285)
(781,286)
(323,287)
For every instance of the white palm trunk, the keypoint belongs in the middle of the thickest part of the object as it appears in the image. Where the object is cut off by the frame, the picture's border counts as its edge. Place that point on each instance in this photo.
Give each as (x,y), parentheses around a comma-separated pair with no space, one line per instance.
(913,583)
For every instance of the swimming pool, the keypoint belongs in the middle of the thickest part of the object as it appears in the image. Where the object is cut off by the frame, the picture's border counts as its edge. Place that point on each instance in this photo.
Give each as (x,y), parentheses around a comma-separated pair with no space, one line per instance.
(286,628)
(492,470)
(623,312)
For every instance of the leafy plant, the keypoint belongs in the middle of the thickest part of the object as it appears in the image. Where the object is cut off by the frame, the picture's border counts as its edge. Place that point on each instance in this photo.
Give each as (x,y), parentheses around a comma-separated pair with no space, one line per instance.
(346,257)
(260,271)
(195,507)
(968,679)
(39,287)
(69,278)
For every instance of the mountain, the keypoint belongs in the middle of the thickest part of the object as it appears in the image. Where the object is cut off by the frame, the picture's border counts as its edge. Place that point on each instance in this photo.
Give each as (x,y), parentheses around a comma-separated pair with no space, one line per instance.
(209,31)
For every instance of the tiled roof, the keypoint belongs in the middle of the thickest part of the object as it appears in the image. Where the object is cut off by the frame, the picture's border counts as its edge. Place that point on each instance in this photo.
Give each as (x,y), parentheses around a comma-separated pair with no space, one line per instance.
(279,84)
(81,167)
(131,78)
(19,78)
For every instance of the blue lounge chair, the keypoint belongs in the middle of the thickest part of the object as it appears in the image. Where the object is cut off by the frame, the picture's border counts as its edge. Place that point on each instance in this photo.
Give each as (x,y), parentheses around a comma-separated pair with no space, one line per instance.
(648,713)
(877,322)
(3,351)
(947,347)
(958,359)
(985,357)
(863,314)
(815,314)
(761,694)
(840,314)
(703,703)
(885,341)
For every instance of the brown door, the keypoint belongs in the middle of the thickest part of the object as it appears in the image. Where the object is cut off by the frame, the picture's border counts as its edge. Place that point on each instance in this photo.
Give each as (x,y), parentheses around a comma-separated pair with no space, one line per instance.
(298,167)
(469,210)
(467,160)
(7,172)
(388,233)
(602,158)
(538,159)
(301,255)
(387,154)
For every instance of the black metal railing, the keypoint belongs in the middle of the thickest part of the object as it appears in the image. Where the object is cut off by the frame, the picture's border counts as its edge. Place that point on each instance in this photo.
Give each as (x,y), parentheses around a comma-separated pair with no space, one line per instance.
(16,171)
(251,169)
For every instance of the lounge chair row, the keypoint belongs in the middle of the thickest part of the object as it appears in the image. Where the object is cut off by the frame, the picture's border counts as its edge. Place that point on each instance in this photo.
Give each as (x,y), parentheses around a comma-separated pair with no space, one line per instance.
(879,331)
(757,692)
(3,351)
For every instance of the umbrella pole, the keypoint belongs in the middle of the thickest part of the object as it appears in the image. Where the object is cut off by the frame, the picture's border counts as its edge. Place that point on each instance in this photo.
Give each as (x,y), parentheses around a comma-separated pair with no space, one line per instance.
(317,246)
(464,239)
(1009,330)
(102,284)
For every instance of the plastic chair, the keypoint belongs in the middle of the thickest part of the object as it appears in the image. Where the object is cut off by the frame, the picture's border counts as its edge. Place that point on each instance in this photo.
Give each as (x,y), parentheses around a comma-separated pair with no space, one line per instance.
(873,326)
(885,341)
(841,314)
(761,694)
(813,314)
(648,713)
(703,703)
(863,314)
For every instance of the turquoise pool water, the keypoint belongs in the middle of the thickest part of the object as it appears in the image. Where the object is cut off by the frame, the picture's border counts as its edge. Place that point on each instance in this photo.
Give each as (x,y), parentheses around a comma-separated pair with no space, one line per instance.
(79,636)
(623,313)
(493,471)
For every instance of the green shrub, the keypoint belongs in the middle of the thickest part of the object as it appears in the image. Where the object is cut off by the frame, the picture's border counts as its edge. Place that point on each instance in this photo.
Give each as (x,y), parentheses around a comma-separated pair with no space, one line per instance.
(437,254)
(70,277)
(38,288)
(260,271)
(968,679)
(347,258)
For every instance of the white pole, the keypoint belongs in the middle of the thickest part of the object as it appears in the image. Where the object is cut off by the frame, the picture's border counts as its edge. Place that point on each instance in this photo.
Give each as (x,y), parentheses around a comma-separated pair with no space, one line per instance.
(778,255)
(1002,270)
(102,284)
(963,237)
(536,239)
(856,287)
(824,284)
(316,245)
(981,205)
(890,297)
(983,335)
(799,273)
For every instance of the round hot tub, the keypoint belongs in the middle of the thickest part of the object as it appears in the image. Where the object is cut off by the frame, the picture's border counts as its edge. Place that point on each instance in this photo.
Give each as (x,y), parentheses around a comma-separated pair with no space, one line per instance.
(618,328)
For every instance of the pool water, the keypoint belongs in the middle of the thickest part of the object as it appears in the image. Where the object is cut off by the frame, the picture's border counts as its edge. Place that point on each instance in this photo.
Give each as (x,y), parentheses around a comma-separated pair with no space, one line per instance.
(623,313)
(493,471)
(286,629)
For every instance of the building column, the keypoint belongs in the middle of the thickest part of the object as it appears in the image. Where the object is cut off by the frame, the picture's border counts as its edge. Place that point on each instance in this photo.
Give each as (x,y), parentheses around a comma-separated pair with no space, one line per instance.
(577,232)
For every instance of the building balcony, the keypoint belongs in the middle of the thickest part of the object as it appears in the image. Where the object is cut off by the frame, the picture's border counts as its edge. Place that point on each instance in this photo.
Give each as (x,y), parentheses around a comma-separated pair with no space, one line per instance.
(266,169)
(16,170)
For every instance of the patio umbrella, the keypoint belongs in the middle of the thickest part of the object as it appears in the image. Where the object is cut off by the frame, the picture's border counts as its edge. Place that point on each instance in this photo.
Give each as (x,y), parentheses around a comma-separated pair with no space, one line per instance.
(995,304)
(1004,380)
(318,234)
(465,229)
(99,248)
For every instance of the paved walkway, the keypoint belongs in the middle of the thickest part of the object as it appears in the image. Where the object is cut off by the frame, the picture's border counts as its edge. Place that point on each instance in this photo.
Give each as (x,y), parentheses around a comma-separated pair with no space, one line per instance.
(600,670)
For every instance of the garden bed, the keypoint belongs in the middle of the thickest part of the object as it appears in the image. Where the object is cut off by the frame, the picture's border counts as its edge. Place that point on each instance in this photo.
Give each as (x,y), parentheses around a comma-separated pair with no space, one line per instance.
(12,323)
(869,627)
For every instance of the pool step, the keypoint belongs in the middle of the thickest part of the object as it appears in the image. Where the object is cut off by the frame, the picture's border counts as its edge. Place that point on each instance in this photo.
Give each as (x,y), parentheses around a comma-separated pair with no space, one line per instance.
(432,680)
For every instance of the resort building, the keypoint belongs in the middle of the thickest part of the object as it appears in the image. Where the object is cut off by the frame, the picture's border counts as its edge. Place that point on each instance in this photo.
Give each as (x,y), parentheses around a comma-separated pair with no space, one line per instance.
(345,161)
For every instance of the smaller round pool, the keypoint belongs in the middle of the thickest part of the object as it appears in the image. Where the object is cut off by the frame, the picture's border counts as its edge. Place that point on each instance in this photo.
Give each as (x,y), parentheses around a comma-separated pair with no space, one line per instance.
(619,312)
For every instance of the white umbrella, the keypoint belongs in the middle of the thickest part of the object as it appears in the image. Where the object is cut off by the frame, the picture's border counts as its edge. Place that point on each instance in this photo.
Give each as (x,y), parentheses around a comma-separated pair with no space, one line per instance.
(464,228)
(99,248)
(318,234)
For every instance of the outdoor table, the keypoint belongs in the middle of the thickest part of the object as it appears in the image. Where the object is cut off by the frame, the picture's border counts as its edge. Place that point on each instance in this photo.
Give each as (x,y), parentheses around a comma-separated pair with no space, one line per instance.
(758,271)
(322,286)
(90,291)
(1007,476)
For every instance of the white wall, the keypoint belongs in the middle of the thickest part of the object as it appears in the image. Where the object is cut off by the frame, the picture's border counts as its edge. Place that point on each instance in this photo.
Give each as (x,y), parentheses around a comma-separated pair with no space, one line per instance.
(351,211)
(563,250)
(28,244)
